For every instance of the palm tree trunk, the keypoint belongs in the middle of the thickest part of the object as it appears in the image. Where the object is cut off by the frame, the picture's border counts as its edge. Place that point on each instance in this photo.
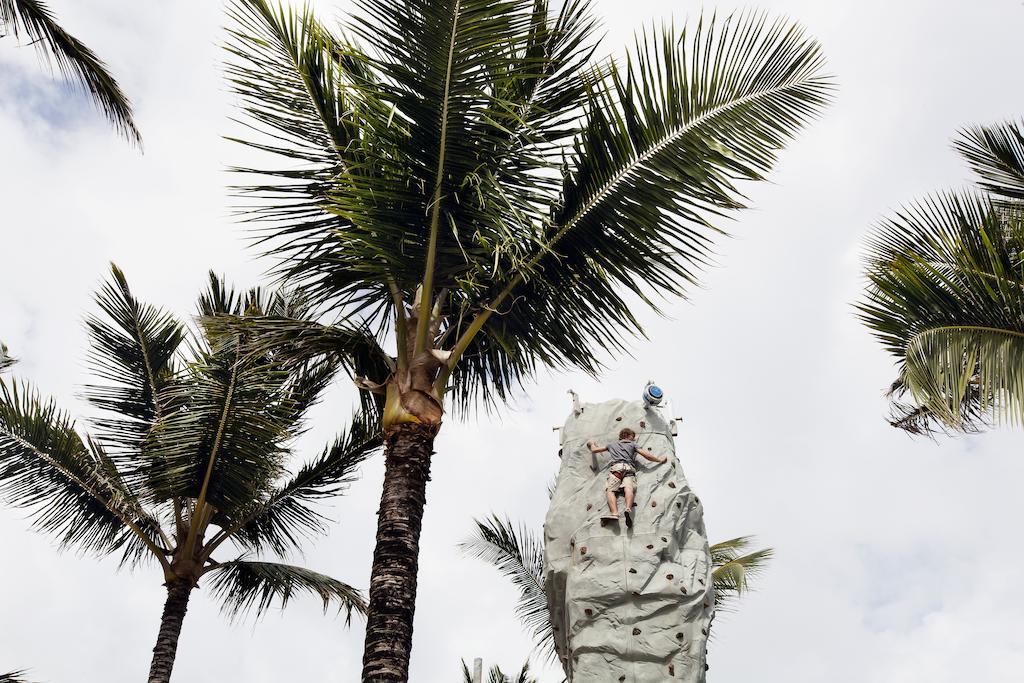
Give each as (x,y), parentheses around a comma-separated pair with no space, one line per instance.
(170,628)
(396,557)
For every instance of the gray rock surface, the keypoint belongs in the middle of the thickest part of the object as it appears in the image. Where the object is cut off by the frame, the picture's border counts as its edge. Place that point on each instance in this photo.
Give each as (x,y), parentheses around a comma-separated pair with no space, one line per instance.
(632,605)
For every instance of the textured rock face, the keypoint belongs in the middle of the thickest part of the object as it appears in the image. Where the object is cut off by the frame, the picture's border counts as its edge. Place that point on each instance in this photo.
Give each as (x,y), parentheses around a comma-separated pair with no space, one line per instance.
(631,605)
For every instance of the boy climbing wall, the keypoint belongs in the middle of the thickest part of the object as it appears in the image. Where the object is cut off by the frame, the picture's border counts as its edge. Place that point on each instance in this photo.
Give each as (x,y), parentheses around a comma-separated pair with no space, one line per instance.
(622,471)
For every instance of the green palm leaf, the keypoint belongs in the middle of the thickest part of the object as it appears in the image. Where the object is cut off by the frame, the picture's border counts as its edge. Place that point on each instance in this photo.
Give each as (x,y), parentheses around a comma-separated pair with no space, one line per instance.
(243,586)
(735,565)
(666,140)
(496,675)
(6,361)
(519,556)
(946,291)
(47,468)
(297,340)
(133,351)
(996,154)
(73,59)
(284,518)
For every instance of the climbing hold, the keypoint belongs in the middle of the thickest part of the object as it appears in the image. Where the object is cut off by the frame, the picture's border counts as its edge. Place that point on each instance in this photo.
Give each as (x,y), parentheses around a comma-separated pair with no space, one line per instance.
(632,571)
(650,547)
(679,636)
(704,631)
(671,484)
(589,612)
(664,540)
(706,605)
(642,424)
(679,505)
(671,670)
(636,631)
(682,588)
(654,503)
(670,576)
(589,506)
(618,419)
(583,550)
(622,678)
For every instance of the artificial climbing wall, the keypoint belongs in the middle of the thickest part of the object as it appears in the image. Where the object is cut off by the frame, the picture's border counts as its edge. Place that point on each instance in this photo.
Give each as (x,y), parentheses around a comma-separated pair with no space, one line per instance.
(629,605)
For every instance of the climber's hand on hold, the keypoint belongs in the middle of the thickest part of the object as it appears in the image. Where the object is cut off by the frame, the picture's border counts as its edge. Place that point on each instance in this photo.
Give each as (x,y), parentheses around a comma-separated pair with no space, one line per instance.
(594,448)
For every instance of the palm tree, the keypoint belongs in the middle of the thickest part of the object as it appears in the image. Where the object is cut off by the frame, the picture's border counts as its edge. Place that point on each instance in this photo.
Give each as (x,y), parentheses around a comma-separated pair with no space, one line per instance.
(495,675)
(74,60)
(467,180)
(946,294)
(13,677)
(518,553)
(188,458)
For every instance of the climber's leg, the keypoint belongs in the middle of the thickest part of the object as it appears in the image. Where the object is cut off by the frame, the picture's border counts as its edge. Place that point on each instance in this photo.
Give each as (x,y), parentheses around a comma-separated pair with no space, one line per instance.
(629,494)
(613,508)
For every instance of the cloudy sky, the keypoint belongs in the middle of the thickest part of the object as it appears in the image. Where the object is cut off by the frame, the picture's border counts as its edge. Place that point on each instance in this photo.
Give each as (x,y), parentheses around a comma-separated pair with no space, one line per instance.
(895,557)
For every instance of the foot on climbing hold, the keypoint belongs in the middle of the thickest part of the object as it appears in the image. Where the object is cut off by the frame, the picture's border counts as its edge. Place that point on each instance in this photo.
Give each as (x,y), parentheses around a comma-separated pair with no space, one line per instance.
(628,514)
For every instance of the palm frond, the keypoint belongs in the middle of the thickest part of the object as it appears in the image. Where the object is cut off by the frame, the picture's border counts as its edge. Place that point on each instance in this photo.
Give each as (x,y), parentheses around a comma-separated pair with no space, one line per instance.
(944,363)
(734,567)
(996,155)
(46,468)
(245,586)
(519,556)
(946,290)
(281,520)
(295,340)
(666,140)
(73,59)
(6,361)
(227,441)
(133,350)
(14,677)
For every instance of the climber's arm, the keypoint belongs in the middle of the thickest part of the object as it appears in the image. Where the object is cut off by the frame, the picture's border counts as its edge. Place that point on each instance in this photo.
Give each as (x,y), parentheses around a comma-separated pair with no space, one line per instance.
(651,456)
(594,448)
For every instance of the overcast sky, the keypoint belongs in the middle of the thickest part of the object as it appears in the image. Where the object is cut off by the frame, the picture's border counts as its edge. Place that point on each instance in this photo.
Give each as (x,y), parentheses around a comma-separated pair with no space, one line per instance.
(897,559)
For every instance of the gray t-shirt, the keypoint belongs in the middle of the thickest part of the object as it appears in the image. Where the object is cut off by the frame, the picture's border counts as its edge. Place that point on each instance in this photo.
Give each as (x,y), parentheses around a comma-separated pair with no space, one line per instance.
(623,451)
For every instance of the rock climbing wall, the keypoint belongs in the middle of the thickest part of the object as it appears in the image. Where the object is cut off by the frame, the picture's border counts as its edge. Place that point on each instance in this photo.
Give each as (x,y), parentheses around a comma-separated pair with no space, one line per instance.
(636,604)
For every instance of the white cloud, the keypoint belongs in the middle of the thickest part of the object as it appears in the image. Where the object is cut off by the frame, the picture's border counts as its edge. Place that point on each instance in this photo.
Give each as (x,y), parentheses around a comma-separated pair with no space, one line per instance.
(896,561)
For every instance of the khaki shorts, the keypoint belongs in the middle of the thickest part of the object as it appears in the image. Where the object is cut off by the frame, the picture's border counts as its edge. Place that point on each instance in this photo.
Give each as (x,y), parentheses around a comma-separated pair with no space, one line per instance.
(615,484)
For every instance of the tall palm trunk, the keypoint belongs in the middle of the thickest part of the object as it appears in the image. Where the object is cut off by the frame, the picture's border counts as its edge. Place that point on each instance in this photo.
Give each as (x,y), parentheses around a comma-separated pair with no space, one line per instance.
(170,628)
(396,557)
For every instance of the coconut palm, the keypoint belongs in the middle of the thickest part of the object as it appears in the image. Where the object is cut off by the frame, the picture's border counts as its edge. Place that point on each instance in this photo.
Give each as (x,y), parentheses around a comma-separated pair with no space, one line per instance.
(75,61)
(475,185)
(186,467)
(496,675)
(13,677)
(518,553)
(946,294)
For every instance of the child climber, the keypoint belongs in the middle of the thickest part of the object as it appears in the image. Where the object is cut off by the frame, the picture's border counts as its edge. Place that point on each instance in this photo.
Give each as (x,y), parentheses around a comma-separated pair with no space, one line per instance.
(622,473)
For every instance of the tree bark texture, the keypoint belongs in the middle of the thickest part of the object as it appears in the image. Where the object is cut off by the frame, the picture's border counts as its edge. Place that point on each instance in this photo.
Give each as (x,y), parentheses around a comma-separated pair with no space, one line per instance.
(170,629)
(396,557)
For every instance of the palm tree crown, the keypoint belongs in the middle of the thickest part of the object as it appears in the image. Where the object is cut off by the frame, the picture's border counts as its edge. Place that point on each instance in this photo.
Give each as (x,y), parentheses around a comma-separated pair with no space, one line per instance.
(946,294)
(75,61)
(188,457)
